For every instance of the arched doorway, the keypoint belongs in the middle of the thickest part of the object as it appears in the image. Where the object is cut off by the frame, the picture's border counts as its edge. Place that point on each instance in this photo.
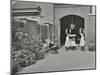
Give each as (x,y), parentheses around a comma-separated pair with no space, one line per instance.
(66,21)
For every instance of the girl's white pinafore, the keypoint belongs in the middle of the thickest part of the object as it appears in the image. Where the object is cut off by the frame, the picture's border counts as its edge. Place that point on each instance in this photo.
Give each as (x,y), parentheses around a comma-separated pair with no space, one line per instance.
(67,42)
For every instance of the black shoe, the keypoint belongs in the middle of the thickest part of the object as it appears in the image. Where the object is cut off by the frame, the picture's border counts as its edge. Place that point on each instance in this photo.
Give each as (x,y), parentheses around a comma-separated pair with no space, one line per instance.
(67,48)
(82,48)
(73,48)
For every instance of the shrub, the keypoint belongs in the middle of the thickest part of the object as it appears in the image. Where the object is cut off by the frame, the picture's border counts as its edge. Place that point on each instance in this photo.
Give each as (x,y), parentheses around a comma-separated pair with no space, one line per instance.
(91,46)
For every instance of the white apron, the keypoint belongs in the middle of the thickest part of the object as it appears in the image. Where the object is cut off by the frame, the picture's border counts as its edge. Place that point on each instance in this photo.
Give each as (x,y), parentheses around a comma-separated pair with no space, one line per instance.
(67,42)
(82,42)
(72,43)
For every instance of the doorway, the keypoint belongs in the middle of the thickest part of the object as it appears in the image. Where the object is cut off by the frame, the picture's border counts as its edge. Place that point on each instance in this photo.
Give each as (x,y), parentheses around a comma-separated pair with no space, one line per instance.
(65,22)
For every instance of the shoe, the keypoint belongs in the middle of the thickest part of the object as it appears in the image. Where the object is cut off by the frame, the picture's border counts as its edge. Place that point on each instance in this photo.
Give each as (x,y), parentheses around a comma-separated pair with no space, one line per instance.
(67,48)
(82,48)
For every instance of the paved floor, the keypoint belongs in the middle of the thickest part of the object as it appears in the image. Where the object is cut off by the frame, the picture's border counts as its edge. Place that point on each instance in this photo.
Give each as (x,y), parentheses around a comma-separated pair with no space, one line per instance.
(65,60)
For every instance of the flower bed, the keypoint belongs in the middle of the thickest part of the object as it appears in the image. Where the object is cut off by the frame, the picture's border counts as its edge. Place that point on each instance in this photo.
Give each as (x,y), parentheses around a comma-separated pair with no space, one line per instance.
(26,49)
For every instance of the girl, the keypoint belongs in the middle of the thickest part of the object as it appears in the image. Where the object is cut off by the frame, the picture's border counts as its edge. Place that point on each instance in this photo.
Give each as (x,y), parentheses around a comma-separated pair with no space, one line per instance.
(67,42)
(82,40)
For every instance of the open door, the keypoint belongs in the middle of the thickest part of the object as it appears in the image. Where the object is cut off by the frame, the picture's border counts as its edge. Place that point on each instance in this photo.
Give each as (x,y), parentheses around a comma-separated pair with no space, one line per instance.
(66,21)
